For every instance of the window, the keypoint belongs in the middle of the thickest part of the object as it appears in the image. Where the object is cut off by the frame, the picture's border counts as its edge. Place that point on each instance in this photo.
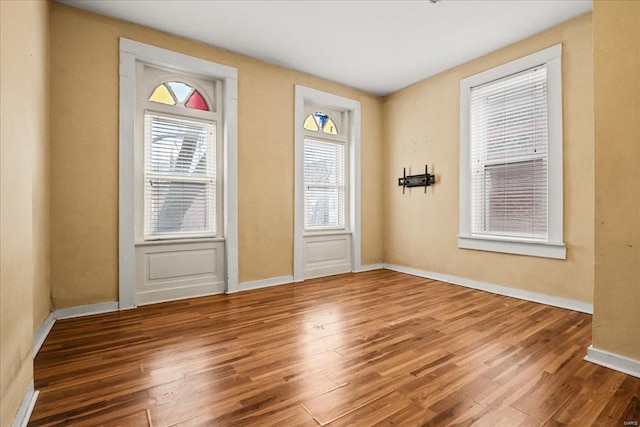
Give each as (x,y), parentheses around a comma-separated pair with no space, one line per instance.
(178,93)
(324,174)
(180,155)
(324,184)
(180,181)
(320,121)
(511,158)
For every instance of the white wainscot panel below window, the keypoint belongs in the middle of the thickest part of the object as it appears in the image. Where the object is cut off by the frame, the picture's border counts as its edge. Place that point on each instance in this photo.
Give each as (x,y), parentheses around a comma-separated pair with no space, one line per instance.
(181,270)
(327,254)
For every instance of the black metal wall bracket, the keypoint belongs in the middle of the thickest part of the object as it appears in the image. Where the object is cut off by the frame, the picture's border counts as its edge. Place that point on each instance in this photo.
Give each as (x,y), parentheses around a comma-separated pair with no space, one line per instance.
(423,180)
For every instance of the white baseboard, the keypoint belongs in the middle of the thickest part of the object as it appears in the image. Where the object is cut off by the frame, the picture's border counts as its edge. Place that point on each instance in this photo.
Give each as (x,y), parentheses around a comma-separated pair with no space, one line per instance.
(68,313)
(176,294)
(369,267)
(283,280)
(496,289)
(613,361)
(85,310)
(42,332)
(327,270)
(265,283)
(26,407)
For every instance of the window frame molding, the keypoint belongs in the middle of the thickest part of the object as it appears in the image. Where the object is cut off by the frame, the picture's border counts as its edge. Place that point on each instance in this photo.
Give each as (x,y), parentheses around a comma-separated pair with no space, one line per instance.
(303,97)
(554,246)
(130,53)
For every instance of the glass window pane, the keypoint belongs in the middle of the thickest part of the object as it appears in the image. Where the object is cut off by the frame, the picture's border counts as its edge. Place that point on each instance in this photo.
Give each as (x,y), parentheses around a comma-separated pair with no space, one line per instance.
(324,207)
(177,207)
(178,146)
(509,149)
(197,102)
(516,202)
(180,90)
(321,119)
(161,95)
(310,124)
(324,165)
(330,127)
(180,176)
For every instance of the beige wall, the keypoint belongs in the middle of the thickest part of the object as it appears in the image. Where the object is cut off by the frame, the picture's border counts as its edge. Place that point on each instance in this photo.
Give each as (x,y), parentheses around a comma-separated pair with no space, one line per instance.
(422,126)
(40,173)
(23,194)
(84,156)
(616,321)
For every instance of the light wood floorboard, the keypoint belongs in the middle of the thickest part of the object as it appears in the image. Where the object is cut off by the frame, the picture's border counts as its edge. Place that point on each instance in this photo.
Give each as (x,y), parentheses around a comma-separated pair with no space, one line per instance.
(373,348)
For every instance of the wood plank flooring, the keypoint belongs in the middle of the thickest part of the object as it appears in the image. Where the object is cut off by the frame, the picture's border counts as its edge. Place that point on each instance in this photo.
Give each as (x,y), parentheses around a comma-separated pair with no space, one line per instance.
(374,348)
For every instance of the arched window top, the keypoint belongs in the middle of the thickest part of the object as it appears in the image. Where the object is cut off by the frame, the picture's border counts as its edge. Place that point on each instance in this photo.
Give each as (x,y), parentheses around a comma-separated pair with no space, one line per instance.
(320,122)
(178,93)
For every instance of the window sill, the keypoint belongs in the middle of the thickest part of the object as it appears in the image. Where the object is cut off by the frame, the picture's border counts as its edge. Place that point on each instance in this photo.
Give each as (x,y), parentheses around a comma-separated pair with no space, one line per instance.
(327,232)
(518,247)
(179,241)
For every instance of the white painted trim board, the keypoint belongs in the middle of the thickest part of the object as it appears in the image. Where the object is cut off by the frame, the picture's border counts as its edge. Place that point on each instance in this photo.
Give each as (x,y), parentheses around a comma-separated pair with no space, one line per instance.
(26,407)
(264,283)
(42,333)
(85,310)
(613,361)
(369,267)
(569,304)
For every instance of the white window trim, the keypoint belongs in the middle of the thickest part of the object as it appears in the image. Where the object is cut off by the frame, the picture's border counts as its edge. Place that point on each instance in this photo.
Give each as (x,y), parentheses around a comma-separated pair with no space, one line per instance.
(130,52)
(148,83)
(305,95)
(554,247)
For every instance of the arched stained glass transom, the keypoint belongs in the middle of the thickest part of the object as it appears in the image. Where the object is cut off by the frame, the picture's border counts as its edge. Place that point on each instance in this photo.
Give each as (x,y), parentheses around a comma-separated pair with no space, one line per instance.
(178,93)
(320,122)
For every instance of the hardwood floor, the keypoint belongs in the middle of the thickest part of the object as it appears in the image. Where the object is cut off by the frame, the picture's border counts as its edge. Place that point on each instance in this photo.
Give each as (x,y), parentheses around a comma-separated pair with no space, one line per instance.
(373,348)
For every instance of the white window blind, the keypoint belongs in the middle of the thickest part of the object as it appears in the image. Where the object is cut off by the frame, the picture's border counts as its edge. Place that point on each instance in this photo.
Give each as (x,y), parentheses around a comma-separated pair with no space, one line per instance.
(179,174)
(509,156)
(324,165)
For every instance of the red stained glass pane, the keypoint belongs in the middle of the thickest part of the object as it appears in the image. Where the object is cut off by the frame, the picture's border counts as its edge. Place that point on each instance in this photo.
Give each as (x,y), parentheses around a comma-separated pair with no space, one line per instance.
(197,102)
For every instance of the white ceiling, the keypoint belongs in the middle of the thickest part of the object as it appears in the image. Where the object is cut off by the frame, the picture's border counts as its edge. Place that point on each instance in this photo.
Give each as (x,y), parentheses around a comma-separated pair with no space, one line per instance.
(376,46)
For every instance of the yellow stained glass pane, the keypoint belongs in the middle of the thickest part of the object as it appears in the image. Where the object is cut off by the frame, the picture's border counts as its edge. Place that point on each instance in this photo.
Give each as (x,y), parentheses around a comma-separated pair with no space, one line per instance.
(330,127)
(162,95)
(310,123)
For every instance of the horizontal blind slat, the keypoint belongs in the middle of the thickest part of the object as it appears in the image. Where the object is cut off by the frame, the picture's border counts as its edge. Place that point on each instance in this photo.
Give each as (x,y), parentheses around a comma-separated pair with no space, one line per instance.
(509,151)
(324,165)
(180,176)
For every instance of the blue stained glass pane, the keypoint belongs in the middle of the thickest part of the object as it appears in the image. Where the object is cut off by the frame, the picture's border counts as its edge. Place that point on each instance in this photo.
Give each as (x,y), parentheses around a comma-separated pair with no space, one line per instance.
(181,90)
(321,118)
